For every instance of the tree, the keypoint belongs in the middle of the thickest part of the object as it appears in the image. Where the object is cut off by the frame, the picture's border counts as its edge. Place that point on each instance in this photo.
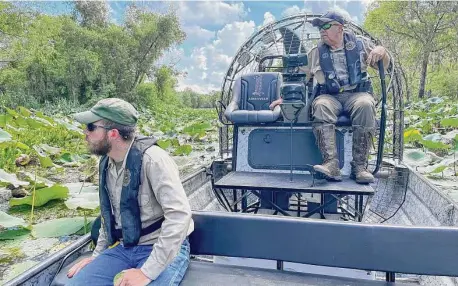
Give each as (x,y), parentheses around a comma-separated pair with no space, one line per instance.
(85,57)
(426,27)
(92,13)
(165,82)
(153,34)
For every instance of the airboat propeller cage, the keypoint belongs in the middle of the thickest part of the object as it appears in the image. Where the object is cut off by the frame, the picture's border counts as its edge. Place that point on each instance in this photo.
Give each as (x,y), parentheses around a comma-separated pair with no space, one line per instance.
(261,52)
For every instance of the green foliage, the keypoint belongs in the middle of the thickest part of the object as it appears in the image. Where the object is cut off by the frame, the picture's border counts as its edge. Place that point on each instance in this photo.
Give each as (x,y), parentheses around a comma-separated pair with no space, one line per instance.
(58,227)
(28,130)
(42,196)
(443,80)
(193,99)
(7,221)
(436,119)
(422,36)
(78,58)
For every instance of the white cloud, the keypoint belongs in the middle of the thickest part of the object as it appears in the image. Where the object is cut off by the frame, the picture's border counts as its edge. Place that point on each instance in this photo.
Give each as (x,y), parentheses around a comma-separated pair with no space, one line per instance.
(210,12)
(198,35)
(207,65)
(293,10)
(342,11)
(268,18)
(231,36)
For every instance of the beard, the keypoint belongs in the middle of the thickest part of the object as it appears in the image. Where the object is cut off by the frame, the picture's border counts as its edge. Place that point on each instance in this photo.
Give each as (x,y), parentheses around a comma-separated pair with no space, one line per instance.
(100,148)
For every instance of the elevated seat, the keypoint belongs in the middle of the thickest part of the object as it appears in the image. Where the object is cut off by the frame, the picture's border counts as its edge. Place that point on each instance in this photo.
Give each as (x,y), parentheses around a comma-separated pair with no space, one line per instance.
(343,120)
(251,96)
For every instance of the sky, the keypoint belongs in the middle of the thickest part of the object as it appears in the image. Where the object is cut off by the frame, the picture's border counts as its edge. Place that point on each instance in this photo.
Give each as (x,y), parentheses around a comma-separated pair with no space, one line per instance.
(216,29)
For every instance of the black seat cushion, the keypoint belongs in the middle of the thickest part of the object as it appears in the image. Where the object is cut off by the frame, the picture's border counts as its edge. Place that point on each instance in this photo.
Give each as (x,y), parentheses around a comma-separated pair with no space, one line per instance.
(343,120)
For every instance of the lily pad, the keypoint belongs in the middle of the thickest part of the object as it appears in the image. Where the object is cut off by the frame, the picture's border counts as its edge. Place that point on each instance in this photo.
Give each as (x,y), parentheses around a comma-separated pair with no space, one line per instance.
(7,220)
(17,269)
(45,161)
(183,150)
(38,181)
(42,196)
(434,145)
(10,179)
(449,122)
(83,197)
(197,129)
(14,233)
(24,111)
(435,137)
(40,115)
(69,126)
(164,144)
(49,149)
(438,169)
(36,124)
(435,100)
(4,136)
(416,157)
(58,227)
(4,119)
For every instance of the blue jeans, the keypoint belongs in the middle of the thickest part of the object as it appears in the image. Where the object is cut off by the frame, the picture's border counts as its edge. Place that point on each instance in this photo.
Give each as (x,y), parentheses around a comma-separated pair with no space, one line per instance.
(102,270)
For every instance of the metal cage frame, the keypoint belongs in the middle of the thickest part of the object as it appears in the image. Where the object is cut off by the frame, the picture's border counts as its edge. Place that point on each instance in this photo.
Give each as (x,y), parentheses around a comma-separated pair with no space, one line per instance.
(268,41)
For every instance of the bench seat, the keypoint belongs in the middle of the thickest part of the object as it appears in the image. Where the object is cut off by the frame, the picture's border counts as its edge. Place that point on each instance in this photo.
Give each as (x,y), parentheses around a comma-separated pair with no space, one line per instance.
(206,273)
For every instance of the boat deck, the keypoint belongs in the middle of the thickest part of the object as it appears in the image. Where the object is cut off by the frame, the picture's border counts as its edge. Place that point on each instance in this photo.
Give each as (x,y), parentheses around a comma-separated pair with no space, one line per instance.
(281,181)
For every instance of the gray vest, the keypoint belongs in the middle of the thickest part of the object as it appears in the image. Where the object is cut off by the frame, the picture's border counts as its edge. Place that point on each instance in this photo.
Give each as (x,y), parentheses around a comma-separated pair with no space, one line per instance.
(130,211)
(353,49)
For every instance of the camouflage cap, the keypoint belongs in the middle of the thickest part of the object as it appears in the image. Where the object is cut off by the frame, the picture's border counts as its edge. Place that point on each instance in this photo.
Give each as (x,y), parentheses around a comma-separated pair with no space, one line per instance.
(112,109)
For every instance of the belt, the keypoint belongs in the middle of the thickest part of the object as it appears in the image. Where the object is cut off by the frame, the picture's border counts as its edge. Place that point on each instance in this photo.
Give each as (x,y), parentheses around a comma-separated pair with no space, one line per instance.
(147,230)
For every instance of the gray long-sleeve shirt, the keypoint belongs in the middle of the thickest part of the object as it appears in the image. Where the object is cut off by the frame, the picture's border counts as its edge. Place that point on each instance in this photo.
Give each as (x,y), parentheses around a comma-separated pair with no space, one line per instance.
(161,193)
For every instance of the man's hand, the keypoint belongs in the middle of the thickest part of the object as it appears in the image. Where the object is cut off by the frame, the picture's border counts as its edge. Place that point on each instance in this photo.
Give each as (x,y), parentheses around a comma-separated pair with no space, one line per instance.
(132,277)
(376,55)
(275,103)
(78,266)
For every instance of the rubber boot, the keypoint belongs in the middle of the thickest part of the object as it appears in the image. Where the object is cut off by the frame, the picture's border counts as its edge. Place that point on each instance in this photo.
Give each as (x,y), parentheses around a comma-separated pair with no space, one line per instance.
(326,140)
(362,141)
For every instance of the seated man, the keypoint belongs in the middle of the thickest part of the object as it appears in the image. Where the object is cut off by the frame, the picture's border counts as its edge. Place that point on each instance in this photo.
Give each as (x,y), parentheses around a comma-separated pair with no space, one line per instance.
(146,216)
(338,65)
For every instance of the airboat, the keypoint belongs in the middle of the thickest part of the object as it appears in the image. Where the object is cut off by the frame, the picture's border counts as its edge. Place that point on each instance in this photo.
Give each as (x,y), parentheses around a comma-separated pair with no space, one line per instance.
(264,217)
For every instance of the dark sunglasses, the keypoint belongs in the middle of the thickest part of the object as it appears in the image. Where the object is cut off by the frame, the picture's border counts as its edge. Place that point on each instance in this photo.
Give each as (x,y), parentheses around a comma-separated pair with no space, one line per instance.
(326,26)
(91,127)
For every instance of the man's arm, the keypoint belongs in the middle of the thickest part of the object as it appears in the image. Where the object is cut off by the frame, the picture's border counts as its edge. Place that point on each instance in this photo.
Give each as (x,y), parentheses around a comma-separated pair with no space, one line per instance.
(163,176)
(102,242)
(374,53)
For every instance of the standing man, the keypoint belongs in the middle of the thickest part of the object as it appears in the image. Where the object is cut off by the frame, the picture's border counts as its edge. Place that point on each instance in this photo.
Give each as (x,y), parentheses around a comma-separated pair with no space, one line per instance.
(338,65)
(146,216)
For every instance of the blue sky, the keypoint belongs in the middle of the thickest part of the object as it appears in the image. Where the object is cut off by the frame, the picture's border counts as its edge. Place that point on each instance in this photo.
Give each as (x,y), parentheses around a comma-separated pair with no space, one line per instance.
(215,30)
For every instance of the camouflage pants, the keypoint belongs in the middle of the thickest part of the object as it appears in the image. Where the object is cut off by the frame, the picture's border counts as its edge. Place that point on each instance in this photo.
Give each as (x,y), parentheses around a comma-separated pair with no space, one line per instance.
(360,106)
